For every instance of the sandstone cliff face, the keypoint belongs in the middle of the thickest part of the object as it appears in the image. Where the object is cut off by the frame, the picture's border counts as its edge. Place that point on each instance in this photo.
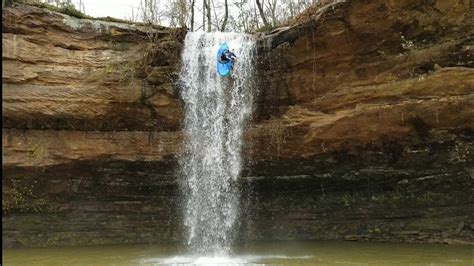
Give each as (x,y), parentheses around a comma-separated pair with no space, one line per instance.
(369,108)
(91,123)
(363,128)
(77,74)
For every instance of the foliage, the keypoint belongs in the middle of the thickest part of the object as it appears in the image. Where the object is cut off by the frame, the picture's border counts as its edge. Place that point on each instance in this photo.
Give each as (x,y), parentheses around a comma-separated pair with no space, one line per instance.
(265,28)
(232,15)
(21,197)
(61,6)
(69,9)
(276,13)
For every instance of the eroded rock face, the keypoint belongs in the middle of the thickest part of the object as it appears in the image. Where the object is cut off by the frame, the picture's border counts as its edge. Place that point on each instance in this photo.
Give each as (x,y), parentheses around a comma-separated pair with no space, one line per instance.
(91,122)
(363,128)
(61,73)
(367,121)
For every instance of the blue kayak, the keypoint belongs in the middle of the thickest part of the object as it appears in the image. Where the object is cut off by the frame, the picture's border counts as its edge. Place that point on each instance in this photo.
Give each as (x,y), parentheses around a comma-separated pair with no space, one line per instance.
(223,68)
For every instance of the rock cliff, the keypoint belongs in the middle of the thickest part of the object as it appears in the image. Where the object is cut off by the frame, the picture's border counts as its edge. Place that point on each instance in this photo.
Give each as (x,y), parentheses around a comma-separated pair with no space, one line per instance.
(64,73)
(91,122)
(363,128)
(366,121)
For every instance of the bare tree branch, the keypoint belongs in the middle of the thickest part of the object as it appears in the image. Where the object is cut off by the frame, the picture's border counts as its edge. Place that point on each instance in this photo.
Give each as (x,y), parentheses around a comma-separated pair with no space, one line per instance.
(192,14)
(262,15)
(225,16)
(208,12)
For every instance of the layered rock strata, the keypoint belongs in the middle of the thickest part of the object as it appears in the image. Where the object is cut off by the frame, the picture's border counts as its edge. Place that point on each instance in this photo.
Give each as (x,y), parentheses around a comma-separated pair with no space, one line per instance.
(363,128)
(91,121)
(366,124)
(64,73)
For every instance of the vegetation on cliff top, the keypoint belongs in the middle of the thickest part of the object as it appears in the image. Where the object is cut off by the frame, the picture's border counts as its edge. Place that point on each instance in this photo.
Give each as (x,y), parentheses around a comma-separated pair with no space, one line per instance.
(63,6)
(68,8)
(233,15)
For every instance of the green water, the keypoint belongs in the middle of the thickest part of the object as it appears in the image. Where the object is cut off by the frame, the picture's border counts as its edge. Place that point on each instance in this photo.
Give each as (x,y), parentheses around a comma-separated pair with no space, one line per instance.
(280,253)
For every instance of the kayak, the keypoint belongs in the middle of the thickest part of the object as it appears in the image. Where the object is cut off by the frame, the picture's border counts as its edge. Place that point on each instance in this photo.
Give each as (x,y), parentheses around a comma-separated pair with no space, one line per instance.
(223,68)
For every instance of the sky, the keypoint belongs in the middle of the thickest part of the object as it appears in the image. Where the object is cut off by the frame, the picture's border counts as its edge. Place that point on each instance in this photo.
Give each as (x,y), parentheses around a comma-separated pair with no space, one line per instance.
(121,9)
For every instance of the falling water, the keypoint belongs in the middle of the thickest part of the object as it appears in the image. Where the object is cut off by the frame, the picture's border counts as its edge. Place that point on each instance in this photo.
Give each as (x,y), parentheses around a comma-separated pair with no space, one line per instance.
(216,111)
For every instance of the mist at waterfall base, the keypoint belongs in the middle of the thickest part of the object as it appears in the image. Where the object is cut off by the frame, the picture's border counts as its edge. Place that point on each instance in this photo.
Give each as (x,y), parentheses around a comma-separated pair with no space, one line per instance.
(216,111)
(256,253)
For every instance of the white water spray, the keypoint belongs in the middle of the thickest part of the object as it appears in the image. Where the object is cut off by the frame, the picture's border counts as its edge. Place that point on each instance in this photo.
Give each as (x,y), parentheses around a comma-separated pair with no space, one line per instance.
(216,111)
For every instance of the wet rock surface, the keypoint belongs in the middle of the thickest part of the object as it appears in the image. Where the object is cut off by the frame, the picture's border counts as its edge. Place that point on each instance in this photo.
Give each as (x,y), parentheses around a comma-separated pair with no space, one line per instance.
(91,122)
(363,128)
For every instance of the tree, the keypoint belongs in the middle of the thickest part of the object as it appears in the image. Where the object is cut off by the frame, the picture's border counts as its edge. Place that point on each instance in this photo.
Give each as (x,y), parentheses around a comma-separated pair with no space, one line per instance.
(177,13)
(238,15)
(246,20)
(208,13)
(182,12)
(225,16)
(272,5)
(149,11)
(82,8)
(262,15)
(192,14)
(203,14)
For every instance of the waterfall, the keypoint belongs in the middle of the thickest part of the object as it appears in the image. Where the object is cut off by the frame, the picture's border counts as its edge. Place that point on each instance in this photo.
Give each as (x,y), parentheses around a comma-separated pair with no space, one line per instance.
(216,111)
